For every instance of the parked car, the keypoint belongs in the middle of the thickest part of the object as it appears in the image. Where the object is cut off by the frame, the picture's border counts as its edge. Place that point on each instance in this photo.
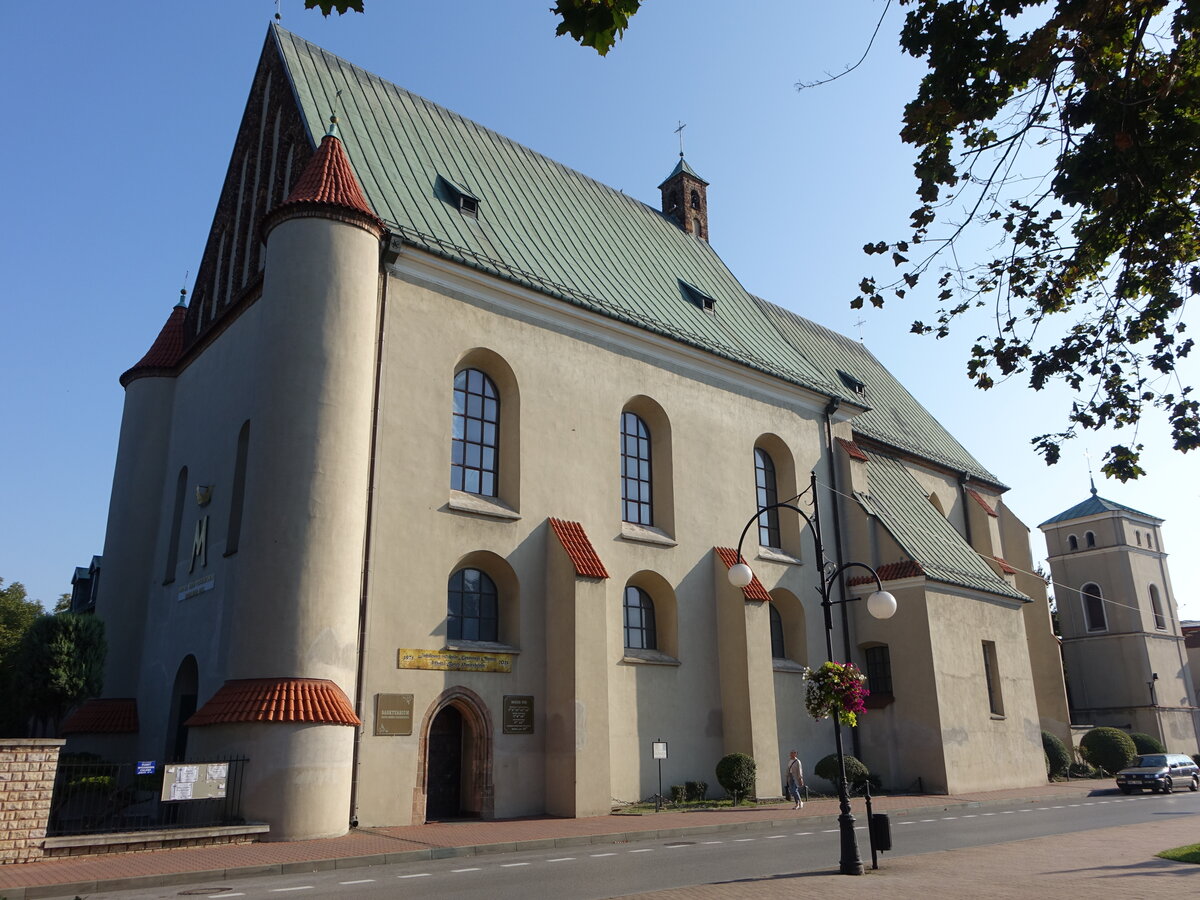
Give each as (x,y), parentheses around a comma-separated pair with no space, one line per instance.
(1159,772)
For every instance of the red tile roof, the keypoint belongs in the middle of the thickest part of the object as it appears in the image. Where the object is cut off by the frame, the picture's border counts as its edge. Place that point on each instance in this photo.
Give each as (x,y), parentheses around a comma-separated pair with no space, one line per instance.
(103,715)
(754,590)
(891,572)
(987,507)
(164,353)
(1005,567)
(326,185)
(575,541)
(277,700)
(853,450)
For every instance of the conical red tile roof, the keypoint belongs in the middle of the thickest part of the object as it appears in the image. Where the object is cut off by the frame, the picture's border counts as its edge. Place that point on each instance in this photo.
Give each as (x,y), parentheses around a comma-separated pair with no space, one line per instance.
(164,353)
(277,700)
(327,185)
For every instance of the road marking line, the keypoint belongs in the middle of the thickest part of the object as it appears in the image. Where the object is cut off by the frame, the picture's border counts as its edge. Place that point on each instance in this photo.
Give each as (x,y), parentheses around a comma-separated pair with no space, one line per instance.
(949,818)
(776,837)
(971,816)
(644,850)
(923,820)
(987,814)
(743,840)
(598,855)
(562,859)
(360,881)
(515,865)
(906,823)
(474,869)
(714,842)
(836,830)
(418,875)
(1058,807)
(303,887)
(804,833)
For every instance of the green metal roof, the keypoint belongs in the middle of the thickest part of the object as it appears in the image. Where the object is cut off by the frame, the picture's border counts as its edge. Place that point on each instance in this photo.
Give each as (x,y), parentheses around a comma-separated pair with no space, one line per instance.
(894,416)
(1094,506)
(550,228)
(682,166)
(903,508)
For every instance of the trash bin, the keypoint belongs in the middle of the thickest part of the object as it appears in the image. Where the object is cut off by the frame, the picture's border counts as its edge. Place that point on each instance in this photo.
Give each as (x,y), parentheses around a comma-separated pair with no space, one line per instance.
(881,831)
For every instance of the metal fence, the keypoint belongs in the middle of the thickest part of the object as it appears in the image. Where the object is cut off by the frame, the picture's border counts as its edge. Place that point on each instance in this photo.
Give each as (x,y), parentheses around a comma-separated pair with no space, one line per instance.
(96,797)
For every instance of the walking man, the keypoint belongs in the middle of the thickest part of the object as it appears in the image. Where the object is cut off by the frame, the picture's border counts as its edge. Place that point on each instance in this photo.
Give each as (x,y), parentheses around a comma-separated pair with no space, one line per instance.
(795,779)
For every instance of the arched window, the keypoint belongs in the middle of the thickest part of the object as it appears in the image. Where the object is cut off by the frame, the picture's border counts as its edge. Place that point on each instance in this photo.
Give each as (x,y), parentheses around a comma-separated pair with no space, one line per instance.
(238,495)
(1090,538)
(472,605)
(878,661)
(778,649)
(768,495)
(1160,621)
(636,472)
(474,452)
(640,631)
(1093,608)
(695,199)
(1073,542)
(1138,535)
(176,525)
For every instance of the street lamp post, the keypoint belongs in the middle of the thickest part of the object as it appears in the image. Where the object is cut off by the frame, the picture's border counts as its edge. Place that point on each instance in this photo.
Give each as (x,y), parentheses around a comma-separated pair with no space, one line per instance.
(880,604)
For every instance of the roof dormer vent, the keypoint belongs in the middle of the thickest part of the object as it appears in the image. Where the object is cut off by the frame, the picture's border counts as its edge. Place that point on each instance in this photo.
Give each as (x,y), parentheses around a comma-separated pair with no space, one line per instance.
(458,196)
(852,383)
(696,296)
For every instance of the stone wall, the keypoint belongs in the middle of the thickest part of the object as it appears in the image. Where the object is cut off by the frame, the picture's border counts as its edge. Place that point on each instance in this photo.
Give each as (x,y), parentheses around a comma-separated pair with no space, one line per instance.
(27,769)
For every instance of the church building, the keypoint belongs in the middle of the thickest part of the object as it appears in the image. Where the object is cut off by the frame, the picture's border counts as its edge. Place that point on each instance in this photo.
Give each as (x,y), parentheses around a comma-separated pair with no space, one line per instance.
(425,500)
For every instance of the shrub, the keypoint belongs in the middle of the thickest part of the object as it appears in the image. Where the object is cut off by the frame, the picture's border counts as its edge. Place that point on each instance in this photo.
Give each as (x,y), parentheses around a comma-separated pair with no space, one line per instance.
(735,773)
(678,793)
(1058,760)
(697,790)
(1108,748)
(1081,770)
(1145,743)
(856,772)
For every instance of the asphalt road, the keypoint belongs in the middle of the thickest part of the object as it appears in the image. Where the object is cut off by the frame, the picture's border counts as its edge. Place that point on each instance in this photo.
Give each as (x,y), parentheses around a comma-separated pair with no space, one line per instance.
(600,871)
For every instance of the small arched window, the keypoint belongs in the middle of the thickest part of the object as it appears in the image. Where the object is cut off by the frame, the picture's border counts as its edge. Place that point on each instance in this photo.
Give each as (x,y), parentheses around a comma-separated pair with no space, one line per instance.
(1073,542)
(472,607)
(695,200)
(767,495)
(636,472)
(1090,538)
(475,448)
(778,648)
(640,631)
(1160,621)
(1138,535)
(1093,608)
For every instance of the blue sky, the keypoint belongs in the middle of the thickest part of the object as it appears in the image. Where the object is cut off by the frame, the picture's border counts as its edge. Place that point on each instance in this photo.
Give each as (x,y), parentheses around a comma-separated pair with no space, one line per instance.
(121,119)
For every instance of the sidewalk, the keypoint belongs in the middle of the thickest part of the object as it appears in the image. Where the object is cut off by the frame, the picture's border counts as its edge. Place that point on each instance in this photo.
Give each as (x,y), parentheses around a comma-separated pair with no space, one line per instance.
(924,875)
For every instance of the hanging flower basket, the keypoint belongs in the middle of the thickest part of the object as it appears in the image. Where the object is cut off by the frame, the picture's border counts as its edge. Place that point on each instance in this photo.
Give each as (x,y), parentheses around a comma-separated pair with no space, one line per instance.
(836,689)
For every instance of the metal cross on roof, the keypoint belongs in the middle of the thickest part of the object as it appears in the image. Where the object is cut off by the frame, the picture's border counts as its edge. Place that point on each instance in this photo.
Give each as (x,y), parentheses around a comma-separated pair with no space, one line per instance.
(679,131)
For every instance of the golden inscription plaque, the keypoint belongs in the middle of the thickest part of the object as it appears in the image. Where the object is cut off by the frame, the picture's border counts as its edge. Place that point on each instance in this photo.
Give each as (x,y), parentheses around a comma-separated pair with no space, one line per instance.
(393,713)
(454,660)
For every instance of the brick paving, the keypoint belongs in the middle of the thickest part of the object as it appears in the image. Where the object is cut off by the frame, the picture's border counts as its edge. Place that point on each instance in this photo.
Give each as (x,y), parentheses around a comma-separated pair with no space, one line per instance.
(1078,864)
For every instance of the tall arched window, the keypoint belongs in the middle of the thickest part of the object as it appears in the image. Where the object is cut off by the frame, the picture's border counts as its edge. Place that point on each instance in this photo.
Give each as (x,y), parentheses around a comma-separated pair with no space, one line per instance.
(768,495)
(1093,608)
(778,648)
(472,607)
(1073,542)
(474,451)
(1156,607)
(1090,538)
(176,525)
(640,631)
(1138,535)
(238,495)
(636,472)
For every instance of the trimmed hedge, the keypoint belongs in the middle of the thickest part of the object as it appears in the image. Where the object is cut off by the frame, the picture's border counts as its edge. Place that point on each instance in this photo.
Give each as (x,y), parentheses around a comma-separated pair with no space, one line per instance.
(827,768)
(735,773)
(1108,748)
(1146,743)
(1058,760)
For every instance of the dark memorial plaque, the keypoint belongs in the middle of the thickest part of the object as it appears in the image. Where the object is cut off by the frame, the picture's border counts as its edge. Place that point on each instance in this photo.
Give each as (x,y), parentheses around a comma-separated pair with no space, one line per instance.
(518,714)
(393,713)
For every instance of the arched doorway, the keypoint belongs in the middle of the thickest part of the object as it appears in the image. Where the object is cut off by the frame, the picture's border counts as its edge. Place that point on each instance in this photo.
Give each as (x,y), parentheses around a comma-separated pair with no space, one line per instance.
(183,705)
(456,759)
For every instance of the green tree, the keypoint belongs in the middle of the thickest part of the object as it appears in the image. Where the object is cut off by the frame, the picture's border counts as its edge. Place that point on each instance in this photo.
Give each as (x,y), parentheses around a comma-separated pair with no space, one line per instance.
(1068,133)
(17,614)
(59,663)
